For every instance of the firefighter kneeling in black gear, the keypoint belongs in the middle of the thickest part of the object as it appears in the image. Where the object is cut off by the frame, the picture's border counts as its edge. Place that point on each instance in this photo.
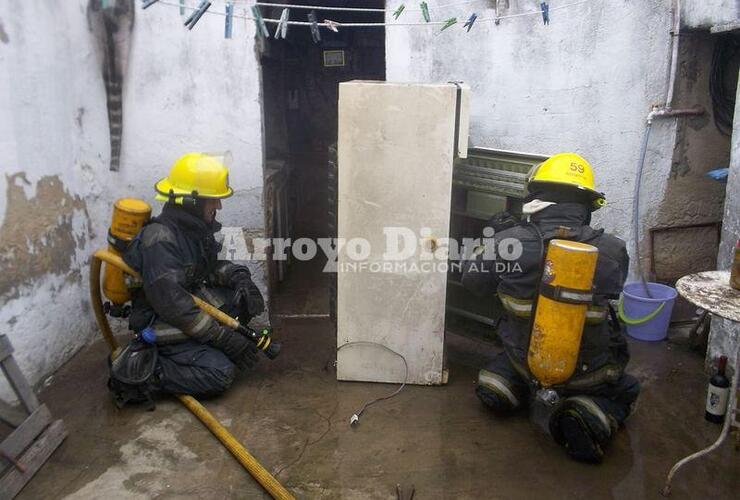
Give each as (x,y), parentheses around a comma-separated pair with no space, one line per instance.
(599,396)
(176,255)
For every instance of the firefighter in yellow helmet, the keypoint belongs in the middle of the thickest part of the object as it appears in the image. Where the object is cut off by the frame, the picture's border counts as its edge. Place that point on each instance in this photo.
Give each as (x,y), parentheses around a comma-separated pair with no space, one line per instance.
(598,397)
(176,255)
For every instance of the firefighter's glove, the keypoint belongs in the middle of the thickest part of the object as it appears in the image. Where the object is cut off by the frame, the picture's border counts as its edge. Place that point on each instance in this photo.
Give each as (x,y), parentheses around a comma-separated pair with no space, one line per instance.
(247,294)
(242,352)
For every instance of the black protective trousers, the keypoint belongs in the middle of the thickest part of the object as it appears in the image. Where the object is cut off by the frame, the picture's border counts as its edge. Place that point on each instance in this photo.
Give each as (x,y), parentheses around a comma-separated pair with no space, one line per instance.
(189,367)
(615,399)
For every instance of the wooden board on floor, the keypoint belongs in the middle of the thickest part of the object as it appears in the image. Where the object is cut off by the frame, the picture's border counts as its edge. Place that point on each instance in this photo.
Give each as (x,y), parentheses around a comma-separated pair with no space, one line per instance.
(32,459)
(18,440)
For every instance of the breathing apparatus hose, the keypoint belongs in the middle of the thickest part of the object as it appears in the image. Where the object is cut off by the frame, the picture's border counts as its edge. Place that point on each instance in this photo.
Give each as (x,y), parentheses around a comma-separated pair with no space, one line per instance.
(255,469)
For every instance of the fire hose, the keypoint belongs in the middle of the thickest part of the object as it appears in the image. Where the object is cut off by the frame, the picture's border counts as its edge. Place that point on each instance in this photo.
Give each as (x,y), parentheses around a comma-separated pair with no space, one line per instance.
(258,472)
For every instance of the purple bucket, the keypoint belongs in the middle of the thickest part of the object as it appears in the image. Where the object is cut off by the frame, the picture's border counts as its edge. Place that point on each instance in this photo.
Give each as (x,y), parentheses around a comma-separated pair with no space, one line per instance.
(647,317)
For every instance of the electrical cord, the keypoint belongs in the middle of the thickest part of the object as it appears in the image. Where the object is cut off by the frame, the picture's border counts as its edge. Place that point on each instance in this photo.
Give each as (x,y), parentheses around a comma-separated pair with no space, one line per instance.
(355,418)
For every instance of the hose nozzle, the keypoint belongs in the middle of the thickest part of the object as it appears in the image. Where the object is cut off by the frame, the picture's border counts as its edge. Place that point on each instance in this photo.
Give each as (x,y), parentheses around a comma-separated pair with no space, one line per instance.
(262,339)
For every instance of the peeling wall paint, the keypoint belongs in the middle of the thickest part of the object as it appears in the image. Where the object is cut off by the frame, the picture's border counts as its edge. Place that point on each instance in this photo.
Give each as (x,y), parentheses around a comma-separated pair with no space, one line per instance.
(37,235)
(55,154)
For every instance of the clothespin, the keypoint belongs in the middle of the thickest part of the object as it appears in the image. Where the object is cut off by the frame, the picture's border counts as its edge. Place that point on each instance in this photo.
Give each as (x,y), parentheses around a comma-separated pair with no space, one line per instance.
(191,21)
(182,7)
(332,25)
(229,19)
(104,4)
(470,22)
(282,28)
(315,34)
(449,22)
(545,13)
(398,11)
(259,22)
(145,4)
(425,11)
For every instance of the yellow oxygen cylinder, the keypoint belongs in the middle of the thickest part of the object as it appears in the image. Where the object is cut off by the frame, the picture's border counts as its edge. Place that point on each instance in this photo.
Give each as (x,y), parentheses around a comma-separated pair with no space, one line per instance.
(129,215)
(564,296)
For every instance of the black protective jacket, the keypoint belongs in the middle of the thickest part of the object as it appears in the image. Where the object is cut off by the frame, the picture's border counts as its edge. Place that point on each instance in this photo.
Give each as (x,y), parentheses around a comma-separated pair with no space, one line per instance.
(176,255)
(603,348)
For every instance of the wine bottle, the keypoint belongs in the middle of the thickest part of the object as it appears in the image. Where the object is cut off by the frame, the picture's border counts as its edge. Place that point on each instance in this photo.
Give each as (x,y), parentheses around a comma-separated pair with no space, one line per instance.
(717,394)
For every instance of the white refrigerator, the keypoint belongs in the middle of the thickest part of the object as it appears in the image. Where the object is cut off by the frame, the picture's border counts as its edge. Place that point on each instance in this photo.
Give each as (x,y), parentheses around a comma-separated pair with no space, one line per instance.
(396,146)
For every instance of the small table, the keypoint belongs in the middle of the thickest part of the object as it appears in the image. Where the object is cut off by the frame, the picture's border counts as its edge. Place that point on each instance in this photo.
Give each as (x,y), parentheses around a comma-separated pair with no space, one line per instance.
(712,292)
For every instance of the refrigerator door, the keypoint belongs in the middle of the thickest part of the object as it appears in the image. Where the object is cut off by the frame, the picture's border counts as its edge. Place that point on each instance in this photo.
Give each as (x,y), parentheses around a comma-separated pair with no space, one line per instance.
(397,143)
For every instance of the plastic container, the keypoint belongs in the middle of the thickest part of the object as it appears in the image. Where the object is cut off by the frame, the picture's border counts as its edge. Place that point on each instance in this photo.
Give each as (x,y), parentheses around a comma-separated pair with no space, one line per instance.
(647,317)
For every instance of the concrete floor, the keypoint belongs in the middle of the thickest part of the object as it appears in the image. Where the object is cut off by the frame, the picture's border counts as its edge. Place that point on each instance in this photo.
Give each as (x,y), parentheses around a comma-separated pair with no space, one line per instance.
(293,416)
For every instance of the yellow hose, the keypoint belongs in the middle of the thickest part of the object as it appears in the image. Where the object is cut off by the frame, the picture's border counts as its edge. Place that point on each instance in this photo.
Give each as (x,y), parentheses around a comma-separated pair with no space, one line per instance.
(240,453)
(97,304)
(259,473)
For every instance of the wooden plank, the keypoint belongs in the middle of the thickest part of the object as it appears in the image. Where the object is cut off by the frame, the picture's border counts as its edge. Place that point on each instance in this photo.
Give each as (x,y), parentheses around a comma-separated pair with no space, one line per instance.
(6,349)
(22,437)
(39,452)
(19,384)
(10,415)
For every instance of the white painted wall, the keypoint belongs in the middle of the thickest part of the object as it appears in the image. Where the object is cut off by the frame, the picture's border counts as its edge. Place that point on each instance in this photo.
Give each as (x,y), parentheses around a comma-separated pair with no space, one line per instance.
(184,91)
(584,83)
(708,13)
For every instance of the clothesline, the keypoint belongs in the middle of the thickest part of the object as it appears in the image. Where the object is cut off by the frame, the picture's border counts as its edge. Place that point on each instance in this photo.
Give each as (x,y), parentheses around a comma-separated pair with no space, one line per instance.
(363,25)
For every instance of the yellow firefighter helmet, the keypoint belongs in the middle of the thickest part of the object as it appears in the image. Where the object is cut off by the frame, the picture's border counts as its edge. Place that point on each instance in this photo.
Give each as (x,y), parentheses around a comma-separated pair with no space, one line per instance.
(566,169)
(197,175)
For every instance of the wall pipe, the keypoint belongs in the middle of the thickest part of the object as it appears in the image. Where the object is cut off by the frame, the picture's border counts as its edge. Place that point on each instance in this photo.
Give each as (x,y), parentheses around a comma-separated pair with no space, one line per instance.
(674,53)
(665,111)
(257,471)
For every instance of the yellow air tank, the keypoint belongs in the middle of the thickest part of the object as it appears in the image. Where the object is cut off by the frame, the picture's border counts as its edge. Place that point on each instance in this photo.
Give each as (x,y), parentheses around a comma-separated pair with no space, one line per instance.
(565,293)
(129,215)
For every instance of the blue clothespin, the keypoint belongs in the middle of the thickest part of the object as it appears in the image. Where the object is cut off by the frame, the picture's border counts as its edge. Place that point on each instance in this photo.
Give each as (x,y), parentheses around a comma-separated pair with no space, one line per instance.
(425,11)
(191,21)
(719,174)
(282,28)
(470,22)
(259,22)
(449,22)
(145,4)
(545,12)
(229,19)
(315,34)
(182,7)
(398,11)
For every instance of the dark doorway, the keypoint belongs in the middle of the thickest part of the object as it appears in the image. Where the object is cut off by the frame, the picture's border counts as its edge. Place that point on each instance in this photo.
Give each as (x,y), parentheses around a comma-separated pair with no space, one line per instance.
(300,79)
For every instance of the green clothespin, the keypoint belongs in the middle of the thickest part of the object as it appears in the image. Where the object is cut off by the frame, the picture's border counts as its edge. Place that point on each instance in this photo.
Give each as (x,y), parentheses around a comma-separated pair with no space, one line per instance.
(398,11)
(260,23)
(425,11)
(182,7)
(448,23)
